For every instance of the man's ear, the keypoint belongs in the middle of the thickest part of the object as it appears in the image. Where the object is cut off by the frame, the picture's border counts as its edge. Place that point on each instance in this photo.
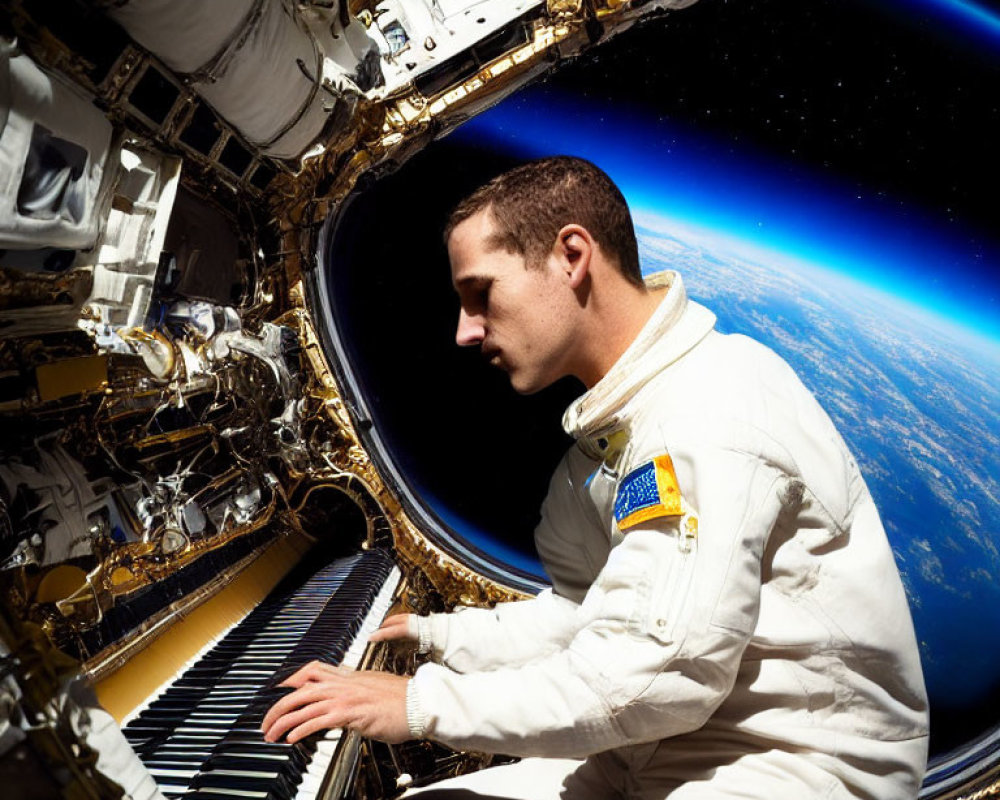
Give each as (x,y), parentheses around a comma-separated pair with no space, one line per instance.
(575,249)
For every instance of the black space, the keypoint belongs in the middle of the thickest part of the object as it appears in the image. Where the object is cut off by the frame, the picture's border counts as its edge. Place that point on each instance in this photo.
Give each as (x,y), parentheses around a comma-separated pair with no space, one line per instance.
(891,96)
(454,426)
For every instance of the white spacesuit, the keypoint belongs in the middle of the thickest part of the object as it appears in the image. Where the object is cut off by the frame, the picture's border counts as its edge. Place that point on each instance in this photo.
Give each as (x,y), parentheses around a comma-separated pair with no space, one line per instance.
(726,618)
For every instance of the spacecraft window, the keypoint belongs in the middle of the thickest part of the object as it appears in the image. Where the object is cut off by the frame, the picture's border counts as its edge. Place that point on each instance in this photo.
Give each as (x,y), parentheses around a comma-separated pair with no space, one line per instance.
(154,95)
(235,157)
(202,132)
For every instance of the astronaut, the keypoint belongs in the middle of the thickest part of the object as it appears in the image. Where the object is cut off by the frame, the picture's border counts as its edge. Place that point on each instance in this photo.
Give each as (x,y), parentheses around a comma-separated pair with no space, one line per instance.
(725,618)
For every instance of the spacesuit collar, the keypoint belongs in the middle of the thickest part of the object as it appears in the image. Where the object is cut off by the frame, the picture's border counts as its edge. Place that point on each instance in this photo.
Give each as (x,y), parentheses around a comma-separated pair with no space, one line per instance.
(675,327)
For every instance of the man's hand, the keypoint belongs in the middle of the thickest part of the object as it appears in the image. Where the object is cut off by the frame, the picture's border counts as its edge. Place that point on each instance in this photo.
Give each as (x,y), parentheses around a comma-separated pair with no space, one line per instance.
(371,703)
(397,626)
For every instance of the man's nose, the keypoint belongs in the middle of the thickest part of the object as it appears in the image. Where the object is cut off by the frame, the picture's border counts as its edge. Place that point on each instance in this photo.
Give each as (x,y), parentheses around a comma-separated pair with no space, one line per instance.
(471,330)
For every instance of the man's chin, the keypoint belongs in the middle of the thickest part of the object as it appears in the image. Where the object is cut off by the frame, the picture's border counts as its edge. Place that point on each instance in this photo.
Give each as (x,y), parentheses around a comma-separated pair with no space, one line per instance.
(525,386)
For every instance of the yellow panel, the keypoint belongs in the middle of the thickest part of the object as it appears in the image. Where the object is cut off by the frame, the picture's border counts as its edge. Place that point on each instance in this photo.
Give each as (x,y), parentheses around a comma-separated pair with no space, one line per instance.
(131,685)
(60,582)
(666,482)
(72,376)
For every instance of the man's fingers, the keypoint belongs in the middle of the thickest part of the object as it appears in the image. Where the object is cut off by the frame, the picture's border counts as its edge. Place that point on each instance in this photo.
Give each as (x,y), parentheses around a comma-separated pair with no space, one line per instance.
(392,627)
(396,626)
(282,706)
(374,703)
(314,671)
(293,719)
(317,723)
(300,697)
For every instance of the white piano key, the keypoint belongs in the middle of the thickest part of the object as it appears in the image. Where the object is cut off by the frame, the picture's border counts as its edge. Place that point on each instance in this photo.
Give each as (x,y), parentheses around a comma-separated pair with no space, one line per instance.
(328,744)
(160,772)
(246,773)
(170,788)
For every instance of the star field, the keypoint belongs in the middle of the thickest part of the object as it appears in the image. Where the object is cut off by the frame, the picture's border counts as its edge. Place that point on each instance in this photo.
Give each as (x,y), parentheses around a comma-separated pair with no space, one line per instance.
(886,97)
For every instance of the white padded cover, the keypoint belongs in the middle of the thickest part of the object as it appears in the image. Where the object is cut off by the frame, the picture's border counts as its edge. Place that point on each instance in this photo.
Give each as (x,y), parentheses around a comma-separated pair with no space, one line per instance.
(185,34)
(243,57)
(33,102)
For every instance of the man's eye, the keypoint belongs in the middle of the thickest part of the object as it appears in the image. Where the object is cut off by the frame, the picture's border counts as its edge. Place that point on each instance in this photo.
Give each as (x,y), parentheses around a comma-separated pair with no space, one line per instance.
(478,297)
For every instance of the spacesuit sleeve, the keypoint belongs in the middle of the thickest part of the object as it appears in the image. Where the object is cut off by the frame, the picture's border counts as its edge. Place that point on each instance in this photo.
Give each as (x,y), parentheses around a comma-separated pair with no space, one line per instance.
(512,634)
(663,630)
(509,634)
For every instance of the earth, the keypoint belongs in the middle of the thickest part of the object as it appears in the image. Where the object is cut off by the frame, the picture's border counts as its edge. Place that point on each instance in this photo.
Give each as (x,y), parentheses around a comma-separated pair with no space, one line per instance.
(917,398)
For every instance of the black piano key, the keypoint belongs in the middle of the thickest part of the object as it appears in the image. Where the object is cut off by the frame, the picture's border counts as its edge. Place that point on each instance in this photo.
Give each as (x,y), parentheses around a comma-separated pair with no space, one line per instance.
(276,781)
(253,762)
(174,760)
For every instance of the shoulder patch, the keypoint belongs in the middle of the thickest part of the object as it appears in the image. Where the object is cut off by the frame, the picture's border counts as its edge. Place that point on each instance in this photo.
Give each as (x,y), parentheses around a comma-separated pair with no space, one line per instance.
(647,492)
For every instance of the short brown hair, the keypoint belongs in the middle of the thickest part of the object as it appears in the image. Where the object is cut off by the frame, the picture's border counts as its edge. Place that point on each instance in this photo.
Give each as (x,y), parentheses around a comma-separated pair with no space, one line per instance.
(531,203)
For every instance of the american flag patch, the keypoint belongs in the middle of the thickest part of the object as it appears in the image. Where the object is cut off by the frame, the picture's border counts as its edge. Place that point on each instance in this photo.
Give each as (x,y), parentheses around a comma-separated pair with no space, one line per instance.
(647,492)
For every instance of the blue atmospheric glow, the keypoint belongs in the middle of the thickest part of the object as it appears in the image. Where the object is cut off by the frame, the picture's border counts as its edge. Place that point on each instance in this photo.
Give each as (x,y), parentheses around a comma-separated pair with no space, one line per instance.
(970,17)
(496,547)
(664,169)
(974,13)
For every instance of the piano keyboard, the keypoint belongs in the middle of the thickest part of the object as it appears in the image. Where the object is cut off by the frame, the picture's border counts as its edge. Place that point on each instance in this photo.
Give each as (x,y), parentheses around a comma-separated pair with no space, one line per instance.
(200,737)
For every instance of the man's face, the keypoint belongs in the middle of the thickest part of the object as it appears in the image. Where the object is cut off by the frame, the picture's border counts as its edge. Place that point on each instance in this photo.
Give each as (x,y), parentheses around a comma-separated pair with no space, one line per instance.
(513,312)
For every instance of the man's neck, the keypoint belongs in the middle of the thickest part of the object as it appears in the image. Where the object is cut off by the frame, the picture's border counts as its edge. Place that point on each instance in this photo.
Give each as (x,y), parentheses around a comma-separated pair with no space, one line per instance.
(617,323)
